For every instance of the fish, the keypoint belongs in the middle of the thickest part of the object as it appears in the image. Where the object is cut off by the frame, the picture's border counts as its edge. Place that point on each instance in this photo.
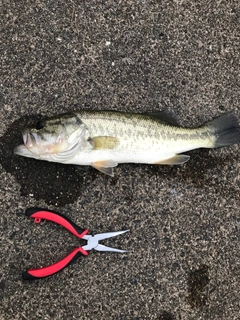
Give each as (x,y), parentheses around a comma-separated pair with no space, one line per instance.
(104,139)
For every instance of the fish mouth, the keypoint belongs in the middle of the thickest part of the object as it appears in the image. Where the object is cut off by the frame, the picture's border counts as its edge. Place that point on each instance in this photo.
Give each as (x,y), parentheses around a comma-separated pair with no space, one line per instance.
(30,139)
(25,135)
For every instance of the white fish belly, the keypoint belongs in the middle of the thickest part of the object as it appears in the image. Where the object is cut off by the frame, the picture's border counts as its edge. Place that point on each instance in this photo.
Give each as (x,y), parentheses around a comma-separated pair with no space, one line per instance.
(148,151)
(87,158)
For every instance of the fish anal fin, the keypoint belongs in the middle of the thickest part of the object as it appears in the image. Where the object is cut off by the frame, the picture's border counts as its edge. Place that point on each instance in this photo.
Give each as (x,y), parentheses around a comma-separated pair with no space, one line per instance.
(165,116)
(105,166)
(104,142)
(176,159)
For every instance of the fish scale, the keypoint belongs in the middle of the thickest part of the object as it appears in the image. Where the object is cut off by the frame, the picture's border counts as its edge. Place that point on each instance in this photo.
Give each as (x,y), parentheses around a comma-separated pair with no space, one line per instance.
(147,132)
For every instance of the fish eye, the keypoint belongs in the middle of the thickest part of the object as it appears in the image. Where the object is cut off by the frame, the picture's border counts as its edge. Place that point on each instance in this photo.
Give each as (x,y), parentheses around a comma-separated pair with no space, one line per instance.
(40,125)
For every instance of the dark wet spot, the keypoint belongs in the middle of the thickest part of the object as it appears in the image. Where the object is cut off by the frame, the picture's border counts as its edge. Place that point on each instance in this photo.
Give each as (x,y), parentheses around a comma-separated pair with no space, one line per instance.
(2,285)
(197,281)
(133,281)
(1,97)
(166,316)
(182,254)
(114,181)
(19,212)
(55,183)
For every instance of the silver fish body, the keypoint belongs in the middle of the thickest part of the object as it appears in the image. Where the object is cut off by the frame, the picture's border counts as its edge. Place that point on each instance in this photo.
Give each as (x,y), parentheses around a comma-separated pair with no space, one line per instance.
(105,138)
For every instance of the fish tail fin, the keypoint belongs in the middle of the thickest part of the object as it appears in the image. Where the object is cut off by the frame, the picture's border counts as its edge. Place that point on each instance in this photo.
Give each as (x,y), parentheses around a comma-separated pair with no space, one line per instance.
(225,129)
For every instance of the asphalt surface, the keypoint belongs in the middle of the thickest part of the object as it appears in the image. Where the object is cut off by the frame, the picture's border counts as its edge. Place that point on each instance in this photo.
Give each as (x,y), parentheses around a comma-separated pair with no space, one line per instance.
(183,260)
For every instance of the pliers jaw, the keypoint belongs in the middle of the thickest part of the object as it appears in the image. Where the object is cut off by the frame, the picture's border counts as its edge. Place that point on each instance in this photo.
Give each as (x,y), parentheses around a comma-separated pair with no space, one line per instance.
(92,242)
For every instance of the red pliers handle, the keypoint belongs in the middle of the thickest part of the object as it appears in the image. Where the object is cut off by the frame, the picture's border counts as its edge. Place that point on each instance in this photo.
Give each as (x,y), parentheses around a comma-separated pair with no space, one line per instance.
(38,214)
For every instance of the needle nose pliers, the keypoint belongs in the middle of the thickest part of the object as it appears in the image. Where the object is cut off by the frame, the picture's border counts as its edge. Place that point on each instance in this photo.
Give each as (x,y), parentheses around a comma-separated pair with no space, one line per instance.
(92,242)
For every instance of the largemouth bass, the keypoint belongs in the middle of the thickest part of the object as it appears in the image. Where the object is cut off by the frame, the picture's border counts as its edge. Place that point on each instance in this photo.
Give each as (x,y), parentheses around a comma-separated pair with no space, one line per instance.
(103,139)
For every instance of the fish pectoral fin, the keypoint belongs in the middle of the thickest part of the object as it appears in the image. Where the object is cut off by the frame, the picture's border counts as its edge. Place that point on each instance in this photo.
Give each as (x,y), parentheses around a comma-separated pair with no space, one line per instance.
(105,166)
(104,142)
(176,159)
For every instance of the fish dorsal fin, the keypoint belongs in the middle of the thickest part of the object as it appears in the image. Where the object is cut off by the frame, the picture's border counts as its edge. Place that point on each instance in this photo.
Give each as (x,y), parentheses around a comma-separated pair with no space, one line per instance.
(105,166)
(104,142)
(164,116)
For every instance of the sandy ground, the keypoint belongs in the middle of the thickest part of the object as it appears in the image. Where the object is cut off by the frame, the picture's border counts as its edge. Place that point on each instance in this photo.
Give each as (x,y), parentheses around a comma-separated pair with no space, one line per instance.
(183,260)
